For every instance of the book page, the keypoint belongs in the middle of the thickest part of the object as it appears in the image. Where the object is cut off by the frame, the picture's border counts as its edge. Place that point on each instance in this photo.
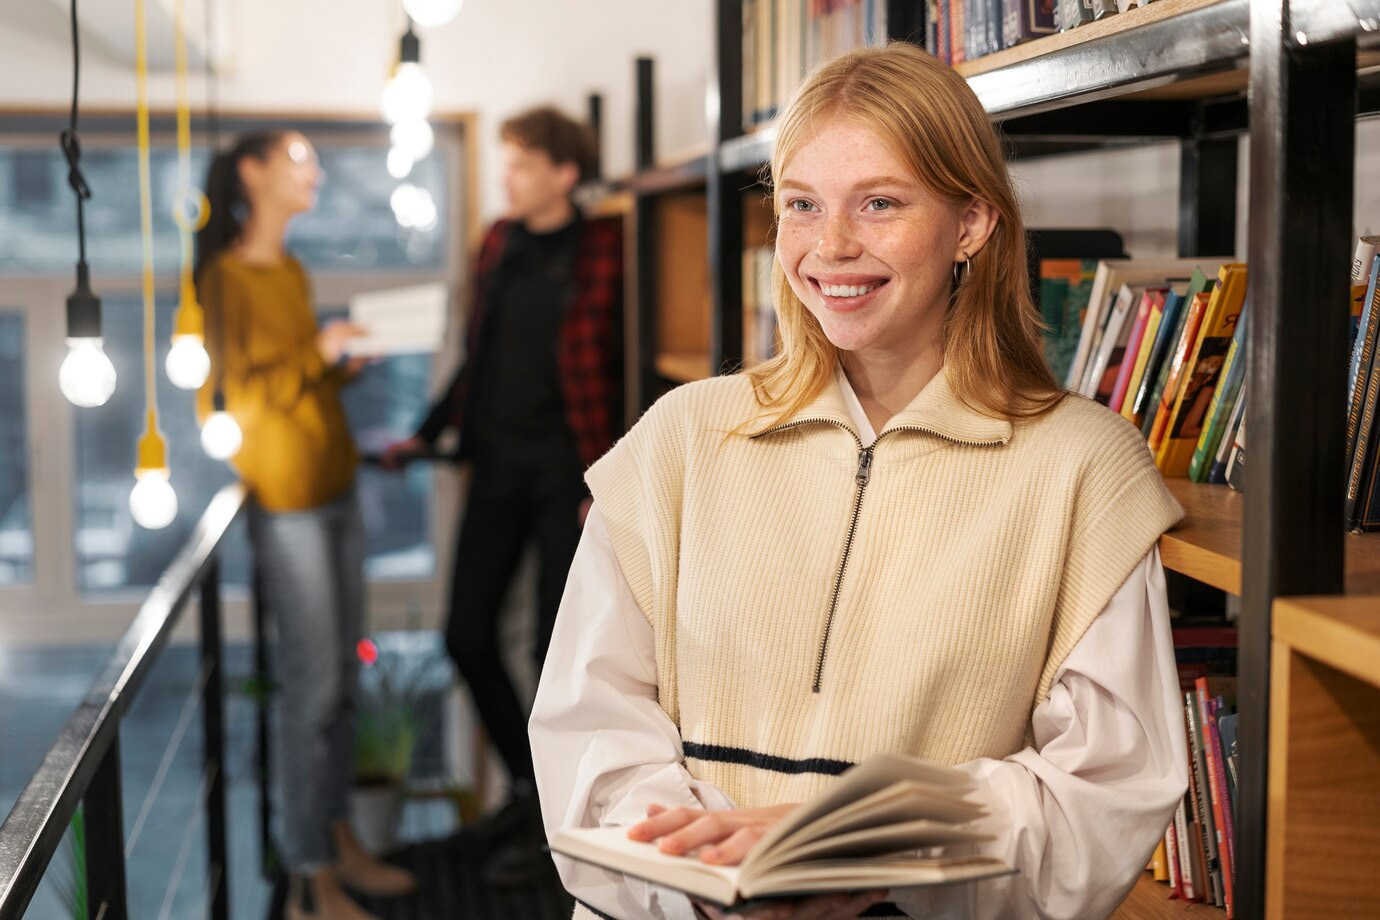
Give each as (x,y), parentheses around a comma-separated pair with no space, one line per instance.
(871,776)
(410,320)
(610,847)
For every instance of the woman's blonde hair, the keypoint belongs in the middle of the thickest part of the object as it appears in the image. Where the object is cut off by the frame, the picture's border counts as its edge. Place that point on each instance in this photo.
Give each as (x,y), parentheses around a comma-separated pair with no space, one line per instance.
(934,124)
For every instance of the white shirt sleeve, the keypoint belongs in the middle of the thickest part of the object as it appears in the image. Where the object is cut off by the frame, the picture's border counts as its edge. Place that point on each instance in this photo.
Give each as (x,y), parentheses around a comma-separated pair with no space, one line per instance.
(602,746)
(1077,815)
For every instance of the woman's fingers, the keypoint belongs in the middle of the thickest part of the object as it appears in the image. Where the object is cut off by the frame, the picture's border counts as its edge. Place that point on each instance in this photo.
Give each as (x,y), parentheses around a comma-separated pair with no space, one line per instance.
(663,822)
(708,828)
(733,848)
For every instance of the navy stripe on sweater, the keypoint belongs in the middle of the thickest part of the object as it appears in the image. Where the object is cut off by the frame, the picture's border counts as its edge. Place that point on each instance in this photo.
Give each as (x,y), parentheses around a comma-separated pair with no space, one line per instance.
(720,753)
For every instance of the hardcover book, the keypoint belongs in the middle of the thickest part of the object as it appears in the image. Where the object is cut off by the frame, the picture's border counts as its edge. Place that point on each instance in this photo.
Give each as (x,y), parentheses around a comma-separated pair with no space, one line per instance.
(861,834)
(1202,371)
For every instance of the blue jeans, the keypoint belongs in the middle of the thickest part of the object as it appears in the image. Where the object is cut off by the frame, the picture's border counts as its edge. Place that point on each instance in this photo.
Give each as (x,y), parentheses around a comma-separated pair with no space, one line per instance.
(311,580)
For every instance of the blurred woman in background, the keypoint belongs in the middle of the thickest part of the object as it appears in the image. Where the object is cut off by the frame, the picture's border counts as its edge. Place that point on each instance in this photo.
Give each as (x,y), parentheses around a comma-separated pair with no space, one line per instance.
(281,378)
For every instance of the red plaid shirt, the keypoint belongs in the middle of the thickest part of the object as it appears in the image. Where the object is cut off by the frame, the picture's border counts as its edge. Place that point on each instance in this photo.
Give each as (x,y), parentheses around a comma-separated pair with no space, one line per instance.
(589,350)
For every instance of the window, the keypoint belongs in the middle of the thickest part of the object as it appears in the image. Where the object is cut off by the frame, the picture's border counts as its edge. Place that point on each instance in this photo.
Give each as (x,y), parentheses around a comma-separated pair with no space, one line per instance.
(74,520)
(16,515)
(352,228)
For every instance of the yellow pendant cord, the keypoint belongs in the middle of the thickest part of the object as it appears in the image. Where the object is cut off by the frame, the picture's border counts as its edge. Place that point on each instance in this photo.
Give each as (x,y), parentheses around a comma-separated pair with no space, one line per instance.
(191,210)
(147,451)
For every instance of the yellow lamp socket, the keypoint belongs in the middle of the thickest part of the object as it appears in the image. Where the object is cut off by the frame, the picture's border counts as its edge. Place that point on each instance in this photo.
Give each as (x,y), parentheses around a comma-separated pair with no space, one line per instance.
(189,319)
(153,452)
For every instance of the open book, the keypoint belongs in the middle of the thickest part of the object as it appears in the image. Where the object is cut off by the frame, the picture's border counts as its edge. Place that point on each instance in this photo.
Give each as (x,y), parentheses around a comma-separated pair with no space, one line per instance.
(860,834)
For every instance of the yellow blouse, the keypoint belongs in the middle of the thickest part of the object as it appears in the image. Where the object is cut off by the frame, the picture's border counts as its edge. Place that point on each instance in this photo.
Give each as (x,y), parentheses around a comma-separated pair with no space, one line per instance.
(261,335)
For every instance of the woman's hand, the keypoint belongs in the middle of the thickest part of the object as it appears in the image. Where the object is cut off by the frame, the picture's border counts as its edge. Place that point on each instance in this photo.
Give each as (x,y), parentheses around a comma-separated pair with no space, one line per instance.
(726,836)
(331,340)
(821,907)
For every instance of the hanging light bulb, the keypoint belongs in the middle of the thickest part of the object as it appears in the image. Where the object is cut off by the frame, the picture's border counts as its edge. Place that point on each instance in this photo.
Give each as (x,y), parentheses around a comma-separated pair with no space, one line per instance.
(432,13)
(415,138)
(86,378)
(220,436)
(152,501)
(408,94)
(399,163)
(188,365)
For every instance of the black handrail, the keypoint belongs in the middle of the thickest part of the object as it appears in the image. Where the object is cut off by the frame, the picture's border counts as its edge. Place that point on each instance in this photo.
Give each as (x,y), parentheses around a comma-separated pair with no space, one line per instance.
(83,764)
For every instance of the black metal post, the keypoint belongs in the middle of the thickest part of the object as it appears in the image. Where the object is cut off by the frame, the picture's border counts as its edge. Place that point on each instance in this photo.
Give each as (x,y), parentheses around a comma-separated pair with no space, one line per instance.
(1302,110)
(644,155)
(1207,196)
(267,854)
(725,198)
(103,814)
(640,328)
(213,743)
(596,130)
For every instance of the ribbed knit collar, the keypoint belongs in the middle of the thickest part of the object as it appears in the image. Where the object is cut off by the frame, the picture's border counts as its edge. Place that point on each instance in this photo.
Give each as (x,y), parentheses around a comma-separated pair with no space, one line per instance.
(936,409)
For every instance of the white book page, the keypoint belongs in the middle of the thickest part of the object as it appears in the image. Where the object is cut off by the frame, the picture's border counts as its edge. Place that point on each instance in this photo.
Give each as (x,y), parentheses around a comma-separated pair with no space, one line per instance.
(410,320)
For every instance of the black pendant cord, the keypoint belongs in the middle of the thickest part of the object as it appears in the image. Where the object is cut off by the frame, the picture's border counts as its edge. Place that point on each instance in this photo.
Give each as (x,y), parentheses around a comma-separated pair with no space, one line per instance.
(71,149)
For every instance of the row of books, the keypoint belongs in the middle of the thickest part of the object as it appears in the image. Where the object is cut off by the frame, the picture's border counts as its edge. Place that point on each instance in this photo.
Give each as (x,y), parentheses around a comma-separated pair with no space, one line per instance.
(962,30)
(783,40)
(1163,343)
(1197,853)
(1363,391)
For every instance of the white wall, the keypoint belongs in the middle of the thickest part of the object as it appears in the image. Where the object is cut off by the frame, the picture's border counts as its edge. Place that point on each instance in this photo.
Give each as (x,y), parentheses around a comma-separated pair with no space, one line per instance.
(333,56)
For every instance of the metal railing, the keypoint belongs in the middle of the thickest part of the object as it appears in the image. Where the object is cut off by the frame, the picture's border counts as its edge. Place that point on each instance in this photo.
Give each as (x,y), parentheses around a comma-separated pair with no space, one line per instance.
(82,768)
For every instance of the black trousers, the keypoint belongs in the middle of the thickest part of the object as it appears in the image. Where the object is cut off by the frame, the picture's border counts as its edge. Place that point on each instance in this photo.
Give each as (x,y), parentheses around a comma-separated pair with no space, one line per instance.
(505,511)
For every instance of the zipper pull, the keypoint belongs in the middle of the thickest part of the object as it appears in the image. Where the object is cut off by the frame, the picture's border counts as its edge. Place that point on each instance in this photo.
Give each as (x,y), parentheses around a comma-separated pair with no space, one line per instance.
(864,466)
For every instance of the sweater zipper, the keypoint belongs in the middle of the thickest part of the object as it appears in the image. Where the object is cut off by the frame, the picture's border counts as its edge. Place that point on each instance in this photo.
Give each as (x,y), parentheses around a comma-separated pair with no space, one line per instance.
(862,477)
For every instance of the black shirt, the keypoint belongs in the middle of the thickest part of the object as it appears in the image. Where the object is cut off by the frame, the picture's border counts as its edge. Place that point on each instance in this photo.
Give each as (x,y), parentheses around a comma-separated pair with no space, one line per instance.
(516,415)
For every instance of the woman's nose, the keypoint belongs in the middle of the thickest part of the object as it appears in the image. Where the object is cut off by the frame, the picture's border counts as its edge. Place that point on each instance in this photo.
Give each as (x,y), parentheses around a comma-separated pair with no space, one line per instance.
(838,241)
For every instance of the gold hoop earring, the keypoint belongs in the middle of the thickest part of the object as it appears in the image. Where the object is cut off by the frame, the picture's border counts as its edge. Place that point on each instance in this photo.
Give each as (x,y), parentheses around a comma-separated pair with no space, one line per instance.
(962,270)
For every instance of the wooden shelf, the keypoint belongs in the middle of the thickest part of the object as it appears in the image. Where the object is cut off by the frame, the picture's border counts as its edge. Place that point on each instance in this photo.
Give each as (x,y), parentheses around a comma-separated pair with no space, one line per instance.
(683,367)
(1324,805)
(1207,545)
(1149,900)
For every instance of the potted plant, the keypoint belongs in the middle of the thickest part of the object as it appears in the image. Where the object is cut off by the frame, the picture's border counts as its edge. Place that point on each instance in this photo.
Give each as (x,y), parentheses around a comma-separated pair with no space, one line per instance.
(393,681)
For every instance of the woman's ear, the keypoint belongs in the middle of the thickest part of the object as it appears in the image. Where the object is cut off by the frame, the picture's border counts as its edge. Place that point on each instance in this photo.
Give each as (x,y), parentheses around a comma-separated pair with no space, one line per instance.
(975,226)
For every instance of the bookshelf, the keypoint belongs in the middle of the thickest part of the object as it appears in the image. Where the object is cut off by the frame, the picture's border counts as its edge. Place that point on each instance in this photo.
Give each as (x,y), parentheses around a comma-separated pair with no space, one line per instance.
(1324,758)
(1207,545)
(1174,69)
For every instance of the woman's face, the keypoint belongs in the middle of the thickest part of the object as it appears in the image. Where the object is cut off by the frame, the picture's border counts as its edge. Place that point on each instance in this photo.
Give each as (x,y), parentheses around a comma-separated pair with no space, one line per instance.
(866,247)
(286,178)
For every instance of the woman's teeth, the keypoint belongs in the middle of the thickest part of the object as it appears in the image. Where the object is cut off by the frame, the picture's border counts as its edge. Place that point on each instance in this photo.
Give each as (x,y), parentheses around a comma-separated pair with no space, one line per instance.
(847,290)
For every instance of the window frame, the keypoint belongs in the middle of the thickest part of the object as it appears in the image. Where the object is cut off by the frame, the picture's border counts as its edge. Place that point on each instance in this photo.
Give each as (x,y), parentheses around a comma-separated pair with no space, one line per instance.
(51,607)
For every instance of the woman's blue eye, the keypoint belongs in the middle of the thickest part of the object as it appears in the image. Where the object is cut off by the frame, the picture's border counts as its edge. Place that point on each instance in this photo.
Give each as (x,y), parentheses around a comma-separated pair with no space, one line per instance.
(799,204)
(879,204)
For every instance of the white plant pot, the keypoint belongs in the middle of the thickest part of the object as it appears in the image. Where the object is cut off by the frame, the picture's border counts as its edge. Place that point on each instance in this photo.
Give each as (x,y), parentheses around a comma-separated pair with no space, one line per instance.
(374,812)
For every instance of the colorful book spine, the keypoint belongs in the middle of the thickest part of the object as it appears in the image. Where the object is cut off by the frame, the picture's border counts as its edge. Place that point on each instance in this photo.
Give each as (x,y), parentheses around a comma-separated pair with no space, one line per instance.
(1134,344)
(1218,474)
(1176,368)
(1196,285)
(1142,361)
(1187,890)
(1171,852)
(1212,886)
(1159,863)
(1362,349)
(1223,401)
(1216,790)
(1202,370)
(1171,327)
(1236,463)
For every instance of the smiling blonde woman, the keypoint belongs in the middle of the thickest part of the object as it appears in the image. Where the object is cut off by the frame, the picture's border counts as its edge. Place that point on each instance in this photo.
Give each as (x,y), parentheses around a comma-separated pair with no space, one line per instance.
(896,536)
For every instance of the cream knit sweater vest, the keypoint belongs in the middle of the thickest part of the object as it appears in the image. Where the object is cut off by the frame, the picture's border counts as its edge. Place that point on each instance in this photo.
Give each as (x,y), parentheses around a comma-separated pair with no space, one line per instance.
(814,602)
